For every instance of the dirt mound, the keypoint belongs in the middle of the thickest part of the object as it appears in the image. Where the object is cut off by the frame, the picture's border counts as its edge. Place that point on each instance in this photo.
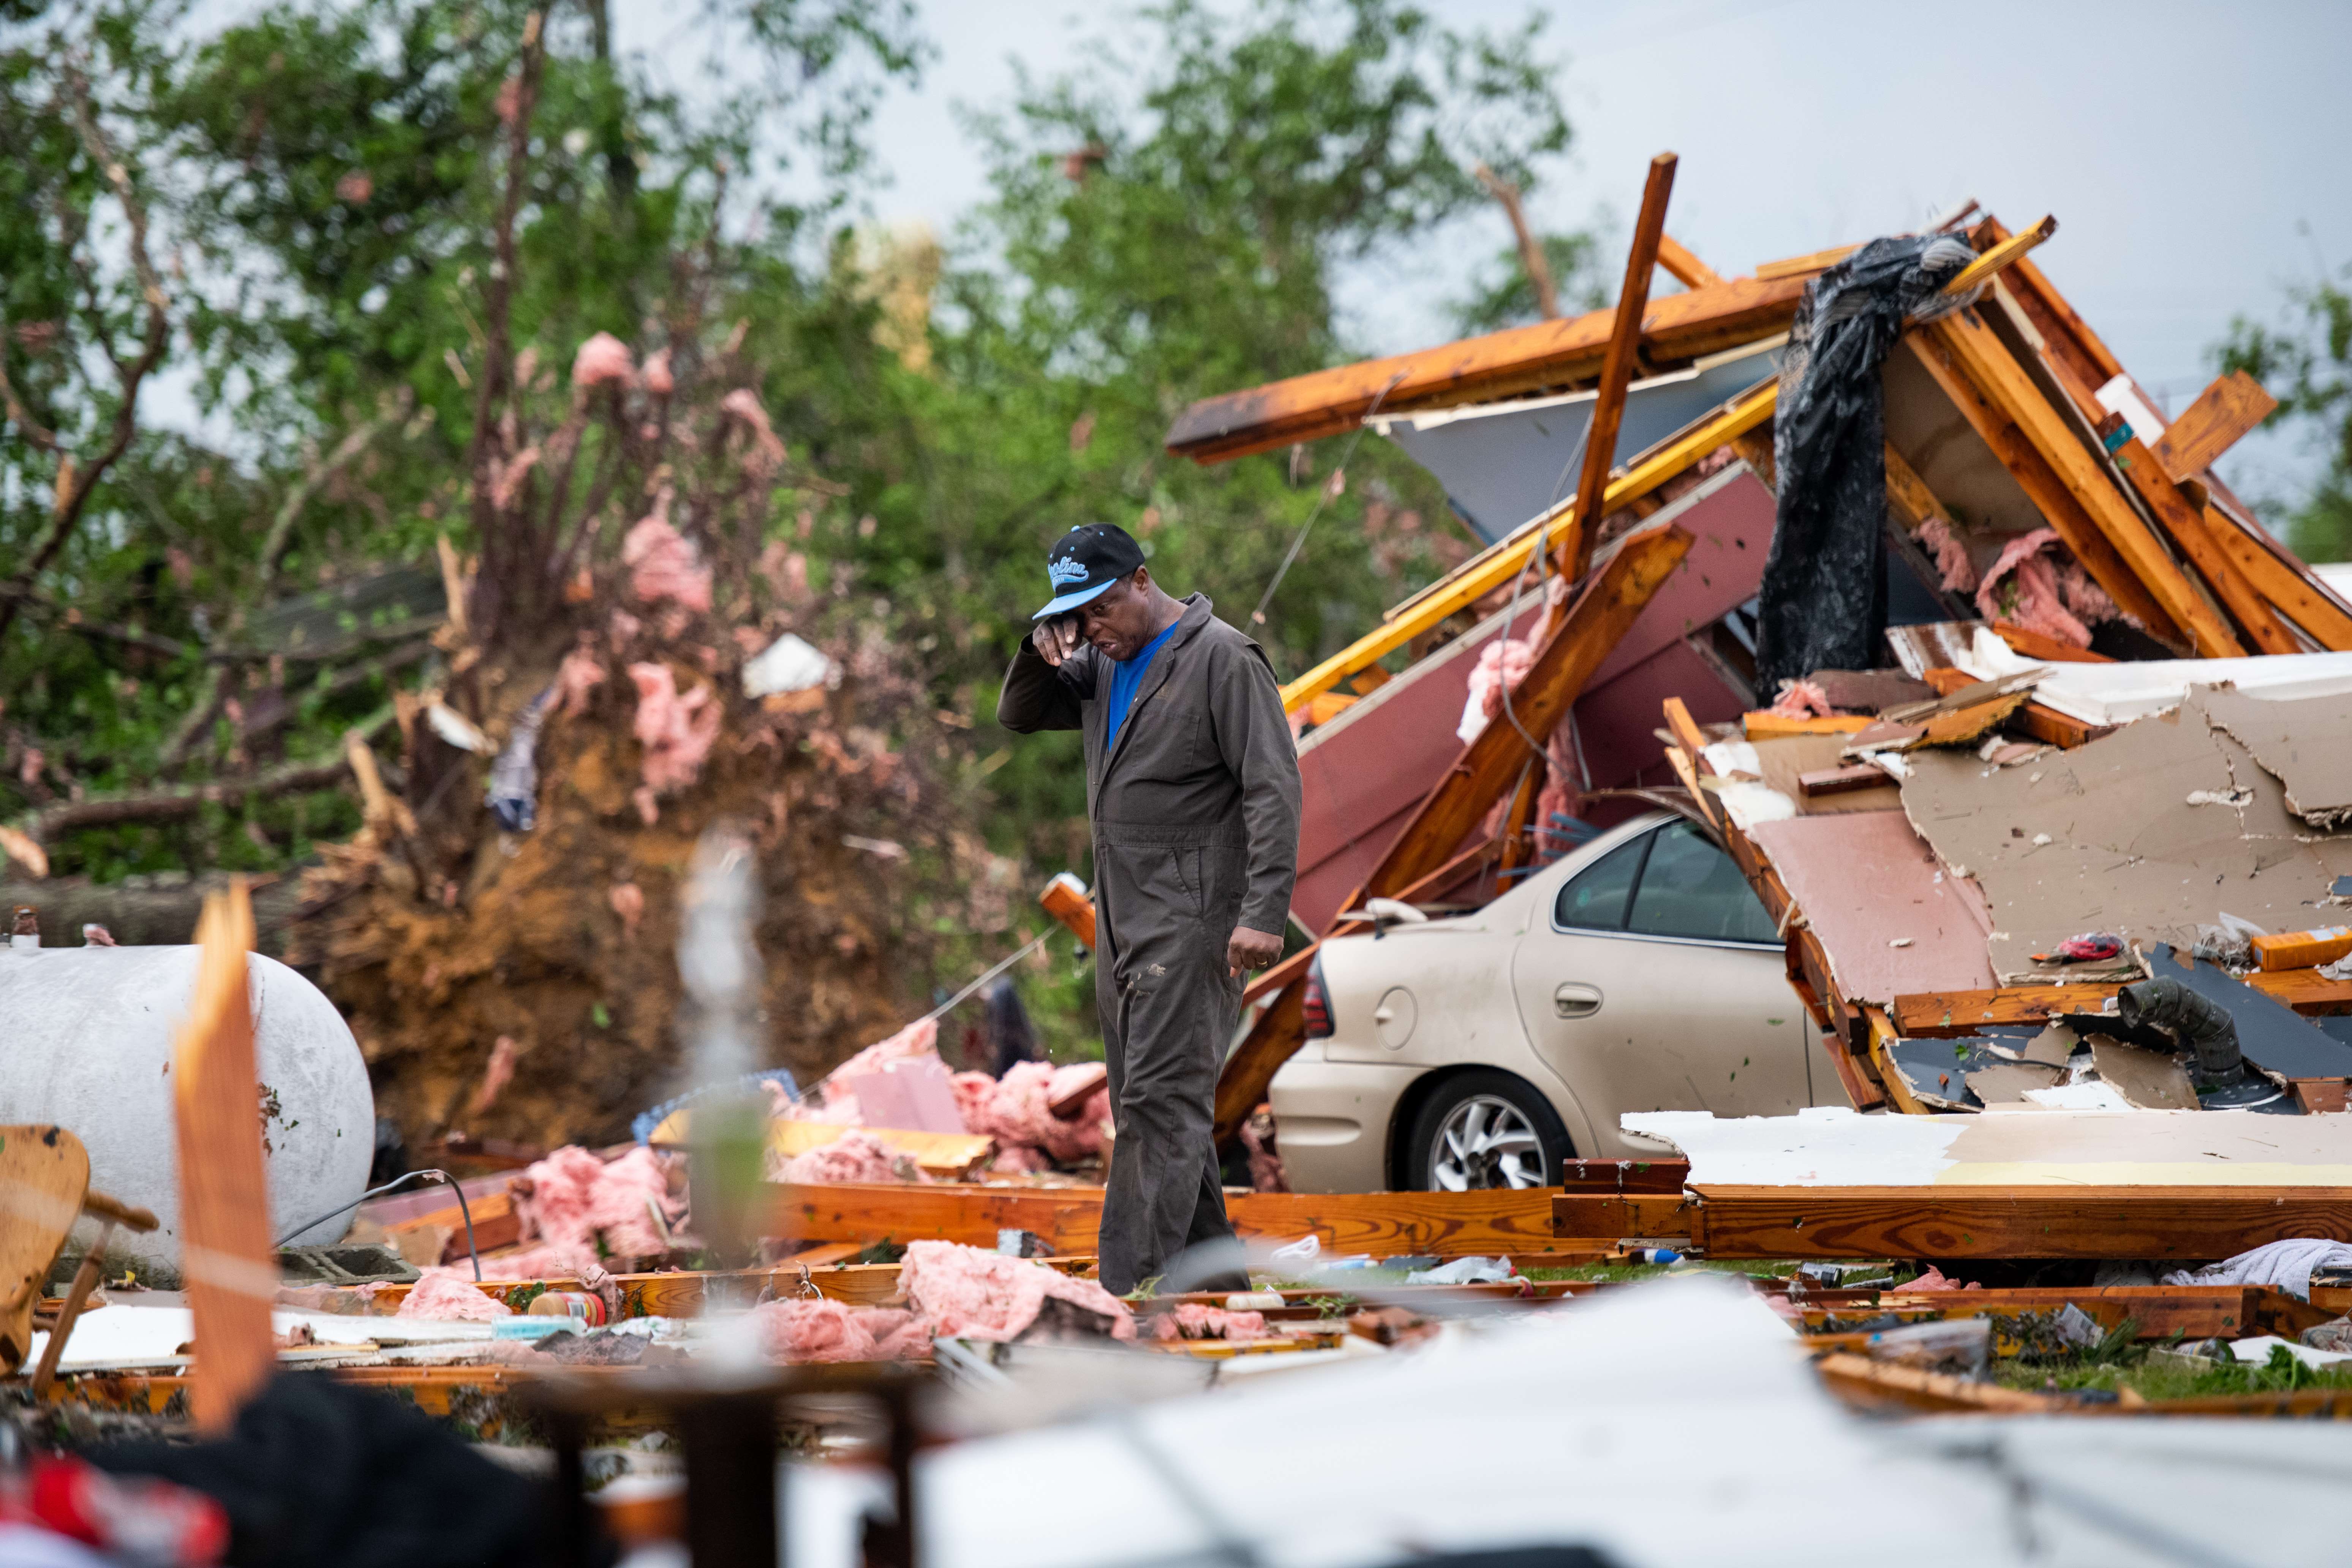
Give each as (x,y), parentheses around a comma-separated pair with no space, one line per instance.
(439,949)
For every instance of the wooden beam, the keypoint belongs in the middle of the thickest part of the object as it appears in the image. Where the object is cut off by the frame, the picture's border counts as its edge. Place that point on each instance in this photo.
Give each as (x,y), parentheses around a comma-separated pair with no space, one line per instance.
(2290,592)
(1597,617)
(1497,567)
(1683,267)
(2307,991)
(1248,1073)
(1705,321)
(1575,550)
(1935,1013)
(1912,502)
(1988,364)
(229,1260)
(2054,1221)
(1889,1385)
(2195,538)
(1805,266)
(1383,1224)
(2049,649)
(2043,486)
(2004,254)
(2210,426)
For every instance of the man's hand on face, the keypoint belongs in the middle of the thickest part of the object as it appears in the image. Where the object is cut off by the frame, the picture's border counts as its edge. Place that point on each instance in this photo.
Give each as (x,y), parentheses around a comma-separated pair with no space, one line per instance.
(1246,949)
(1056,640)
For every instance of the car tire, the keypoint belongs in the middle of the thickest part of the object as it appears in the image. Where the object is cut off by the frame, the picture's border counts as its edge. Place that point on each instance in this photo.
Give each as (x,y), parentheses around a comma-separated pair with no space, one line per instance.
(1486,1130)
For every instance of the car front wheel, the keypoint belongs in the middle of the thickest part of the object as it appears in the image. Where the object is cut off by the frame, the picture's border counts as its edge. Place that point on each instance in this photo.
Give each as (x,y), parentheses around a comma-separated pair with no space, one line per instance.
(1483,1131)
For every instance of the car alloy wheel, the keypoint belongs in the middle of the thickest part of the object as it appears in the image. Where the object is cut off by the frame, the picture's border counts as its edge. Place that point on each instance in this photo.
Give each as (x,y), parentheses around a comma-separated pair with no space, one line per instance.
(1485,1143)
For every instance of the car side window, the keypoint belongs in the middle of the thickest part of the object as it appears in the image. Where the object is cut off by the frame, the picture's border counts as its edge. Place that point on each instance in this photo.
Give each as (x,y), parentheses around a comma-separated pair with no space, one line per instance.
(1595,899)
(1689,887)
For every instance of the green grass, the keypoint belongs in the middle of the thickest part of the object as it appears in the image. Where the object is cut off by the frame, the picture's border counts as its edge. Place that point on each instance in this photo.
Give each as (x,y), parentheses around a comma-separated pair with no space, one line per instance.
(2132,1368)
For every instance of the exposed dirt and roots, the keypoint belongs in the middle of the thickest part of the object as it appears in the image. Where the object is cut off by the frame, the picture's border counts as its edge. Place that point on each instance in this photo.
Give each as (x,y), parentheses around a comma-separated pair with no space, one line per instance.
(521,938)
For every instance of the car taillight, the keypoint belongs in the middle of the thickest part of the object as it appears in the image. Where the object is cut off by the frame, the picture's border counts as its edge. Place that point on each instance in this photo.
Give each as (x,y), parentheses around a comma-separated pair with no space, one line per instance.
(1317,1006)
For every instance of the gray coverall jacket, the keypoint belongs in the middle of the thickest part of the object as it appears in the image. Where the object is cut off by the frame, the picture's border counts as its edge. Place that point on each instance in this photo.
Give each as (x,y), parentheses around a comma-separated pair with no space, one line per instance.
(1195,818)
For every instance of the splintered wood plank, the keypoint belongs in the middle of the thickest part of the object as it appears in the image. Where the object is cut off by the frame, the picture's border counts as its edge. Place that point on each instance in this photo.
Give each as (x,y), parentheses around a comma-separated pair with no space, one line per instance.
(1611,1216)
(1597,618)
(2041,485)
(1804,265)
(2034,644)
(44,1171)
(2155,1311)
(1066,1217)
(2044,724)
(1575,550)
(1624,1175)
(1883,1385)
(1964,335)
(1764,725)
(2307,991)
(2210,426)
(2293,593)
(1955,1221)
(1705,321)
(1683,267)
(1389,1224)
(1943,1014)
(1273,1039)
(2195,538)
(226,1257)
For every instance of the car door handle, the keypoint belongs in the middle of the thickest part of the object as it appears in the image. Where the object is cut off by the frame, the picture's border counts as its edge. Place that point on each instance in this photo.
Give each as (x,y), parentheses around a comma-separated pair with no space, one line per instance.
(1575,1000)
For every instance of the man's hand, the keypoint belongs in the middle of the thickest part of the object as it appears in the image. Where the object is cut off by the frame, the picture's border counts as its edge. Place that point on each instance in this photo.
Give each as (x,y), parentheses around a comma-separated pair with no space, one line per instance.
(1056,640)
(1246,949)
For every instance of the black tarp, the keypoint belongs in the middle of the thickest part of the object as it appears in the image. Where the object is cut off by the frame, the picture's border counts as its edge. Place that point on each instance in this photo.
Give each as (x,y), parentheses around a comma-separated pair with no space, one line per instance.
(1824,591)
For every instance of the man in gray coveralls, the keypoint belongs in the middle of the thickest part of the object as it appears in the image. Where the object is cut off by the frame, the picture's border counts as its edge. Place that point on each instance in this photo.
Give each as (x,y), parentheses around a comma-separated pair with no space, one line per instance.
(1193,789)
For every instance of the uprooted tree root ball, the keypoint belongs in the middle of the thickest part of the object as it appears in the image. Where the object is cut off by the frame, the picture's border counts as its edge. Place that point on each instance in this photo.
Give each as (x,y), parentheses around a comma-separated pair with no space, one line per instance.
(562,940)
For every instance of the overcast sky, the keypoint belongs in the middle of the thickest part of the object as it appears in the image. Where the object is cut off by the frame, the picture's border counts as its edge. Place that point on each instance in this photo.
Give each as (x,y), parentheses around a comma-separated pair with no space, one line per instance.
(2195,154)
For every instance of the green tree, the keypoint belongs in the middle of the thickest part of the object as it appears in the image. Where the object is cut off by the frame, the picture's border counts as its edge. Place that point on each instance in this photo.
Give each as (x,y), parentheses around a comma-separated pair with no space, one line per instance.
(2308,367)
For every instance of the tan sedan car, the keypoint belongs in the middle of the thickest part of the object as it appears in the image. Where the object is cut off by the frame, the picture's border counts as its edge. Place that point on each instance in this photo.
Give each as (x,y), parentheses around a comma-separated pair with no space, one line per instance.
(1638,973)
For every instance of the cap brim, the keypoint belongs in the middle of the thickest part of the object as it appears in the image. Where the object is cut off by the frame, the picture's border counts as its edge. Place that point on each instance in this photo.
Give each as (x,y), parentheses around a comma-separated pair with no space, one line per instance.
(1072,600)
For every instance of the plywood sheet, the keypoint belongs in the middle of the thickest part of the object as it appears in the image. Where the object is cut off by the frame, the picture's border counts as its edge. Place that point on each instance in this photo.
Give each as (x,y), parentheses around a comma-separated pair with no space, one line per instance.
(1888,915)
(2307,743)
(2149,833)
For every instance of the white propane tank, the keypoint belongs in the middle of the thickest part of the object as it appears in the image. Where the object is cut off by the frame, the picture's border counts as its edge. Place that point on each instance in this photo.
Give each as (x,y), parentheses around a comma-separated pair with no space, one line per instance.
(86,1041)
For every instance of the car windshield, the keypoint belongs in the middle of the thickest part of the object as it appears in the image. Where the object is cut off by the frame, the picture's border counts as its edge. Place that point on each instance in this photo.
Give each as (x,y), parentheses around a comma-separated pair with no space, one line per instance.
(1670,882)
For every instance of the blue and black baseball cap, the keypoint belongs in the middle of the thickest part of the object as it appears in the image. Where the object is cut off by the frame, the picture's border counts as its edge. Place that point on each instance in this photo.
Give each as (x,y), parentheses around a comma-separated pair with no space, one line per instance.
(1085,562)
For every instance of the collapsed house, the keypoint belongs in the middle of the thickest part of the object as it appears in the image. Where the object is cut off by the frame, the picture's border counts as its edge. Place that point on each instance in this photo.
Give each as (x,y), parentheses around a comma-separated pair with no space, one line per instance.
(1977,511)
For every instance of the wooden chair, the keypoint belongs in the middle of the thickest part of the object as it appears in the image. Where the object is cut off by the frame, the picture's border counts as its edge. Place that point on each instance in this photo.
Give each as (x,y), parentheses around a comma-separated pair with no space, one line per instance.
(43,1189)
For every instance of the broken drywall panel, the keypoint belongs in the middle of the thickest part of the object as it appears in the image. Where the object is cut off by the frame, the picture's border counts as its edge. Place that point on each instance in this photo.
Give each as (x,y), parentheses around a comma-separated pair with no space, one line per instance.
(2005,1083)
(2307,743)
(2120,692)
(1941,1072)
(2018,1146)
(2148,1079)
(1890,919)
(1786,759)
(2146,833)
(2273,1036)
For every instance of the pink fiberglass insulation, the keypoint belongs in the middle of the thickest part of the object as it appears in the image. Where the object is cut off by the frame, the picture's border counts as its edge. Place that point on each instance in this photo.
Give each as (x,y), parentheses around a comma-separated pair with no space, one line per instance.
(833,1100)
(662,564)
(580,673)
(962,1292)
(1018,1109)
(767,453)
(2086,598)
(602,358)
(657,378)
(577,1200)
(676,731)
(449,1295)
(1196,1320)
(854,1156)
(1502,664)
(1952,562)
(1800,699)
(817,1329)
(2032,599)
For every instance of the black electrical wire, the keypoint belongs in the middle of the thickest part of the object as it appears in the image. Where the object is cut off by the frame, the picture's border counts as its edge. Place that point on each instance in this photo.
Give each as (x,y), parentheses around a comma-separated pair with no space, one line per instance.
(443,1176)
